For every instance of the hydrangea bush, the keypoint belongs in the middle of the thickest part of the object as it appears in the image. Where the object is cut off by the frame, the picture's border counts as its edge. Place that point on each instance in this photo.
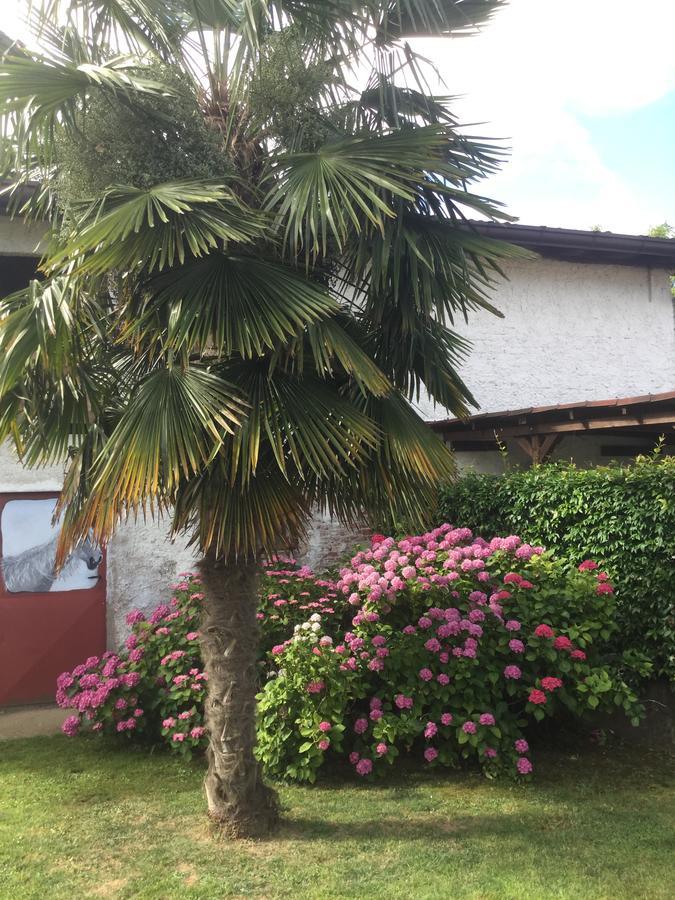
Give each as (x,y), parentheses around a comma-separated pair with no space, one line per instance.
(154,688)
(440,645)
(455,647)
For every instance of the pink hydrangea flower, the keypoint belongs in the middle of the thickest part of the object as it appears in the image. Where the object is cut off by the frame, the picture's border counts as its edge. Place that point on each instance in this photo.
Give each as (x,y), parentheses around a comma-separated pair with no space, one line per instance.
(324,744)
(524,766)
(537,697)
(354,757)
(430,754)
(364,766)
(512,625)
(381,748)
(516,646)
(325,726)
(521,745)
(489,753)
(512,672)
(71,726)
(487,719)
(544,631)
(578,654)
(361,725)
(315,687)
(446,718)
(551,684)
(426,674)
(562,643)
(403,702)
(469,727)
(430,730)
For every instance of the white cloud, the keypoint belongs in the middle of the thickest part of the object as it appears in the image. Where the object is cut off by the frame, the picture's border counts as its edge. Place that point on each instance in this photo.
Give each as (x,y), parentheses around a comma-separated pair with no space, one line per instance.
(529,75)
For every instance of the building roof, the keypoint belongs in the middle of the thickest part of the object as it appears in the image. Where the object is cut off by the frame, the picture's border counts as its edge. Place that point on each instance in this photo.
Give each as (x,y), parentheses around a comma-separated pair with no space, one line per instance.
(649,412)
(573,245)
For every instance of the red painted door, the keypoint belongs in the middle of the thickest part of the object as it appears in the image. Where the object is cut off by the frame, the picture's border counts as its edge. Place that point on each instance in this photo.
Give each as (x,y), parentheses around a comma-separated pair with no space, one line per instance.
(48,623)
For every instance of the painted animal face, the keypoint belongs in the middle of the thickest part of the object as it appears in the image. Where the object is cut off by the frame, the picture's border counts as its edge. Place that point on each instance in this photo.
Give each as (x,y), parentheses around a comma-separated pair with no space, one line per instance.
(89,552)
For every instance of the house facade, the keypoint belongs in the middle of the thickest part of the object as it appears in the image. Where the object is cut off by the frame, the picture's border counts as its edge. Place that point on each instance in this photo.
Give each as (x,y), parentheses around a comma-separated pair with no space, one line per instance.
(590,318)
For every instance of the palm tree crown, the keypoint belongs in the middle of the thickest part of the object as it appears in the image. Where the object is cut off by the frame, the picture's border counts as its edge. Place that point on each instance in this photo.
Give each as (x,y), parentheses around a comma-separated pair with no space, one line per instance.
(257,255)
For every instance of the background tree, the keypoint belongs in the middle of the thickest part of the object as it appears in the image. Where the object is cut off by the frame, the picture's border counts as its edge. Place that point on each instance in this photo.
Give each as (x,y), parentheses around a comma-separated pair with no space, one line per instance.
(664,230)
(254,266)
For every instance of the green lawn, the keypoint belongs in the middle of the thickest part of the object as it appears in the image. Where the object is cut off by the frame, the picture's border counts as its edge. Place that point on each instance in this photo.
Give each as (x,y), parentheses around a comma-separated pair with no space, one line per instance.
(81,818)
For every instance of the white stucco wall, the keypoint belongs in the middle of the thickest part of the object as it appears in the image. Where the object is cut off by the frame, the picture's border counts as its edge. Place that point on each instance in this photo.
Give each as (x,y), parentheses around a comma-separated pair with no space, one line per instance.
(571,331)
(18,238)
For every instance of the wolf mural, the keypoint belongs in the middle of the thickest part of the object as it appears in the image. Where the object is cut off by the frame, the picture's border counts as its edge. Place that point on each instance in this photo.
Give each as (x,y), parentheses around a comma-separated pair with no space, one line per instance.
(34,569)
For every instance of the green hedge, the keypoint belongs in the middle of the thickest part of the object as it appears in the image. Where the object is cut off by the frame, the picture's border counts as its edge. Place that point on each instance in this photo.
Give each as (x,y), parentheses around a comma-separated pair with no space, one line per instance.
(622,516)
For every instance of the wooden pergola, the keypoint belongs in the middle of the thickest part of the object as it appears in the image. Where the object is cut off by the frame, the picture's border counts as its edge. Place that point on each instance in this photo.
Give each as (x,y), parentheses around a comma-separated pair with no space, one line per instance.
(538,429)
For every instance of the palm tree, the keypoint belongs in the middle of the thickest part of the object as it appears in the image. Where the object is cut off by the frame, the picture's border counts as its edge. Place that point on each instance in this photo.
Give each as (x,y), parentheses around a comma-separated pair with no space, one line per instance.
(257,254)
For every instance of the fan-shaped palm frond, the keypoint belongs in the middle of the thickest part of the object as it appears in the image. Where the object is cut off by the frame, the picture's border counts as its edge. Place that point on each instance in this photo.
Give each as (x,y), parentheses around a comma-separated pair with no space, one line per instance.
(238,520)
(226,304)
(41,92)
(307,424)
(324,195)
(429,18)
(134,228)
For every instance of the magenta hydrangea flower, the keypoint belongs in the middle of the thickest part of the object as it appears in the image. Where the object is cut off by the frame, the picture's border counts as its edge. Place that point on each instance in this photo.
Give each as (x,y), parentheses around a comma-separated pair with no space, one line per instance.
(469,727)
(71,726)
(354,757)
(364,766)
(512,672)
(360,726)
(426,674)
(489,753)
(516,646)
(403,702)
(512,625)
(487,719)
(430,730)
(524,766)
(446,718)
(430,754)
(521,745)
(381,748)
(544,631)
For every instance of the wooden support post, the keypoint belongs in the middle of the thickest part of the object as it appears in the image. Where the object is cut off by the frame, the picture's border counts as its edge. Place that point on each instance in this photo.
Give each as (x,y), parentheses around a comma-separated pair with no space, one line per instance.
(538,446)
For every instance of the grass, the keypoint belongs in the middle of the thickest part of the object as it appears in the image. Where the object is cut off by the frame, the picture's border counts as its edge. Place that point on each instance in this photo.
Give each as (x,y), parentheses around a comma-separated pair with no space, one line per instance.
(81,818)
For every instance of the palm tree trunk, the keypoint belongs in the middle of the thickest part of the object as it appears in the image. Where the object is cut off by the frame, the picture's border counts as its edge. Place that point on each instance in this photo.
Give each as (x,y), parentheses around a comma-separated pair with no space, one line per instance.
(238,800)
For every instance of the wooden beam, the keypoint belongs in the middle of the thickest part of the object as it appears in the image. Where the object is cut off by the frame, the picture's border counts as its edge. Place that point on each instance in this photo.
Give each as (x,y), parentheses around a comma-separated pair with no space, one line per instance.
(588,426)
(538,447)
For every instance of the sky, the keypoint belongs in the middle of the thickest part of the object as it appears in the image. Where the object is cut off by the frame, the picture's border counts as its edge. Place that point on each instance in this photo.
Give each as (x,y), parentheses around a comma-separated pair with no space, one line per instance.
(583,93)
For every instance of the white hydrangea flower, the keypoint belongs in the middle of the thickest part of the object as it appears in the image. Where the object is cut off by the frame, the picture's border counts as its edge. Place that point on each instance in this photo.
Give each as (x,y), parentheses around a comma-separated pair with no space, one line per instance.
(316,626)
(315,618)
